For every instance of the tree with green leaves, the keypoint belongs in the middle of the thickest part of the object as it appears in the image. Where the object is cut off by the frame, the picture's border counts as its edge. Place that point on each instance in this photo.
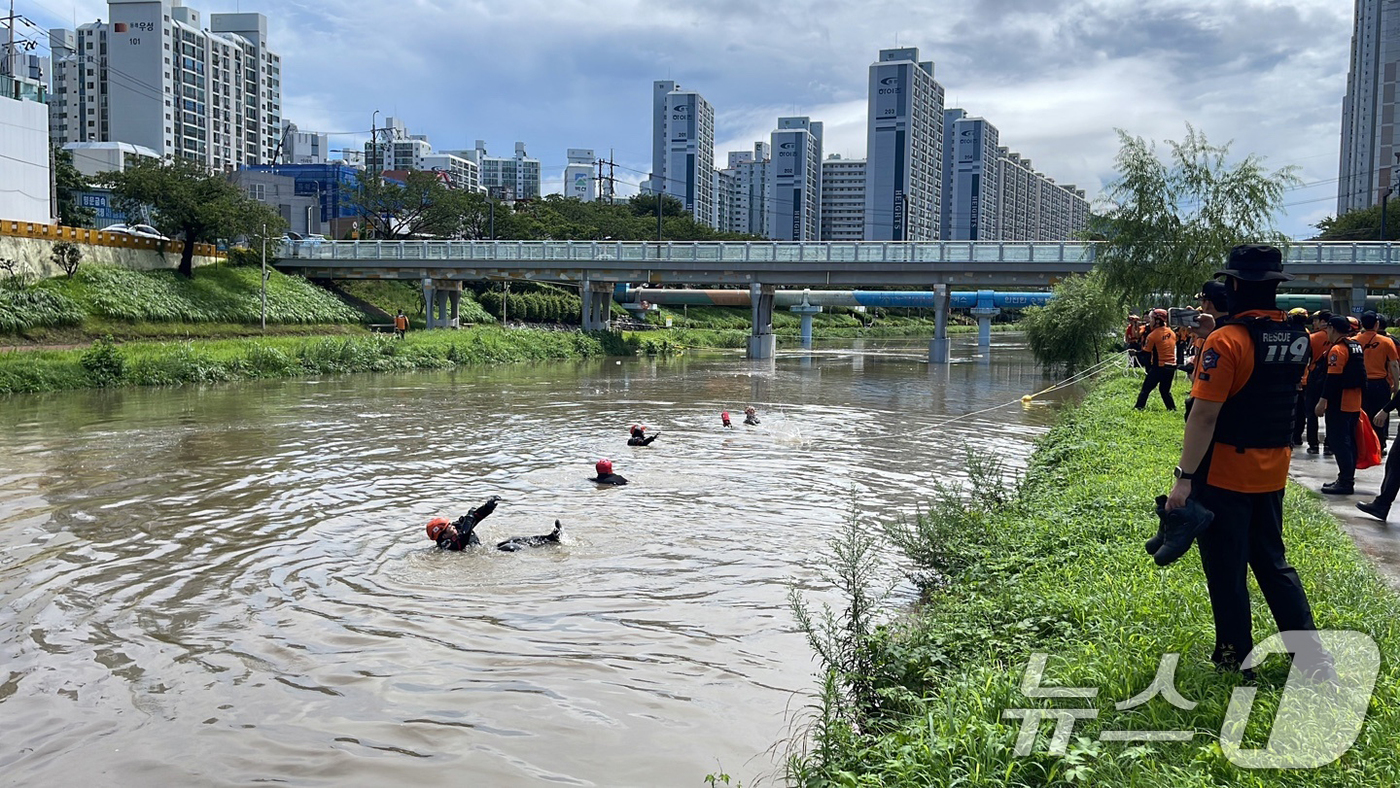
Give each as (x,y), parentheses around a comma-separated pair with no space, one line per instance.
(421,205)
(1073,329)
(1170,224)
(1362,224)
(187,200)
(68,183)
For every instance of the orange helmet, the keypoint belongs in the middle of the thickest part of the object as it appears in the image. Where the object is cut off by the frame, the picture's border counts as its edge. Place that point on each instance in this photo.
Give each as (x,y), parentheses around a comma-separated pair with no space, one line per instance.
(1355,324)
(1160,314)
(436,526)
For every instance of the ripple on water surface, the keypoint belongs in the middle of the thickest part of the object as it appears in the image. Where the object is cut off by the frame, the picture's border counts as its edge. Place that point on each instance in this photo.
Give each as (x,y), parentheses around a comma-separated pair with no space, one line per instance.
(231,585)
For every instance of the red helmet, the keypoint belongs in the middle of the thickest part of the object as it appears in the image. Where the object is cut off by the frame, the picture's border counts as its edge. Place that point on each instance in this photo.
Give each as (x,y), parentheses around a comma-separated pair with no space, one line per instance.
(603,467)
(635,428)
(1160,314)
(436,526)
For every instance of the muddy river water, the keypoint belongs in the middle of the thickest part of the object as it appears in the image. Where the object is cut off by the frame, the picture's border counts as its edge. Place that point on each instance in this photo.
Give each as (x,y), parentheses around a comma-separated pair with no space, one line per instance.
(231,585)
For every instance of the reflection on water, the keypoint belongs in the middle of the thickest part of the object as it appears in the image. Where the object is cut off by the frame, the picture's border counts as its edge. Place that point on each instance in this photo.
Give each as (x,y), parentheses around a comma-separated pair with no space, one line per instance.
(232,585)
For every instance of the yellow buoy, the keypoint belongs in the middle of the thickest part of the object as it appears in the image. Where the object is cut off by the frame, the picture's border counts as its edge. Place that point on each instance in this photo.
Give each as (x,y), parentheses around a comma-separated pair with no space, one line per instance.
(1026,398)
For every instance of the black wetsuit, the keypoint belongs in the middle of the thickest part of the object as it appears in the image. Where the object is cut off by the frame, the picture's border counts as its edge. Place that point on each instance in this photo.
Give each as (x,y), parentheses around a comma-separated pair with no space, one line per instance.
(609,478)
(640,438)
(466,527)
(521,542)
(751,419)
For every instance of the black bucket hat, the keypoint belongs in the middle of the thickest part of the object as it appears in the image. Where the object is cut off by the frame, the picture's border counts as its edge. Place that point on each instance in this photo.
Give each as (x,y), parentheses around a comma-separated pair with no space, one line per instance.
(1255,263)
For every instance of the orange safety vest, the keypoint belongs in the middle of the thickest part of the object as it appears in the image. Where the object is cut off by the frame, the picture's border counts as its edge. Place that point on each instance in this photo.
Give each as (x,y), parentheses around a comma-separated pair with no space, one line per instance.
(401,323)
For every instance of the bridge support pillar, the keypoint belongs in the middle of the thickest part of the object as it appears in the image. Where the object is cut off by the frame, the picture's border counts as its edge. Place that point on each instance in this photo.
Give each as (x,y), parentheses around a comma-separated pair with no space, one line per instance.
(805,310)
(597,305)
(984,324)
(938,349)
(762,343)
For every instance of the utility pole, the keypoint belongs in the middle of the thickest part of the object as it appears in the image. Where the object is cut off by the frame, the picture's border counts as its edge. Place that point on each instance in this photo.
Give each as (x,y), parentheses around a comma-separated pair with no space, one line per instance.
(264,278)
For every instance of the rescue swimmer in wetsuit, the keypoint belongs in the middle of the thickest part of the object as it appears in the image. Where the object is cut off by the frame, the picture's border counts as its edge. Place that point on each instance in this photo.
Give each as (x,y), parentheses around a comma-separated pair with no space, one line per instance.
(605,474)
(460,534)
(640,437)
(751,416)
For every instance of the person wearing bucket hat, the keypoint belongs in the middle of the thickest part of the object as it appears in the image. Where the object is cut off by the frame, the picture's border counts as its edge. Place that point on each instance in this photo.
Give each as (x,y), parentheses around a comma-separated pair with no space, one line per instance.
(1214,299)
(1235,454)
(1340,404)
(1161,368)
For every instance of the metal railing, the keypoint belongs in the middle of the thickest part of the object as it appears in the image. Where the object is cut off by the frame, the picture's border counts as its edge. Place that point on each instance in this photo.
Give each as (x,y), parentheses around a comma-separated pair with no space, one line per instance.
(689,252)
(875,252)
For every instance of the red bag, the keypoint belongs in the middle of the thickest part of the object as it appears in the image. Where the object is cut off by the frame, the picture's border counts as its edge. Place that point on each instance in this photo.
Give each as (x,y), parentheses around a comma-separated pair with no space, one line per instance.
(1368,446)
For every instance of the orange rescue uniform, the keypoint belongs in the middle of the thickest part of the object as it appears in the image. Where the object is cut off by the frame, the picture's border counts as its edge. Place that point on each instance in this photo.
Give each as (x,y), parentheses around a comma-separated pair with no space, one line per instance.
(1378,350)
(1162,343)
(1222,370)
(1337,358)
(401,323)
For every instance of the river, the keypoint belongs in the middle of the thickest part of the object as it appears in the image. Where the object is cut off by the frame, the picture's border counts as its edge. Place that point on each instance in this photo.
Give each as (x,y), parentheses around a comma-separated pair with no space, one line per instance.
(229,585)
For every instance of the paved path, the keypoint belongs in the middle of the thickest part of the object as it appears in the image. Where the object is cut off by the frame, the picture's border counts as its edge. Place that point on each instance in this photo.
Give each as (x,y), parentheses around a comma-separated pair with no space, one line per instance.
(1380,541)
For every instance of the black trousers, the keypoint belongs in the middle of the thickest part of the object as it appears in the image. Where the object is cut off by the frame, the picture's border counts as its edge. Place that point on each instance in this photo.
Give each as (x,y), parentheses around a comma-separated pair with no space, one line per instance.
(1159,378)
(1341,439)
(1247,531)
(1317,382)
(1391,485)
(1373,398)
(1300,417)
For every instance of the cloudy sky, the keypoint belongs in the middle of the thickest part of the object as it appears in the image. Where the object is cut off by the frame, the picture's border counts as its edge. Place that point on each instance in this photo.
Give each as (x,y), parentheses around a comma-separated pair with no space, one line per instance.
(1055,76)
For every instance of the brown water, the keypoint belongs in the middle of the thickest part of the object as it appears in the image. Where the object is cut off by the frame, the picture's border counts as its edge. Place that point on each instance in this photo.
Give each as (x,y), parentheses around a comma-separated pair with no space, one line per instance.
(231,585)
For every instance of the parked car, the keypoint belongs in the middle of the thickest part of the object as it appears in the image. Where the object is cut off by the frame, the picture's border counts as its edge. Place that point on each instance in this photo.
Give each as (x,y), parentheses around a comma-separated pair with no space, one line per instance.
(298,242)
(136,230)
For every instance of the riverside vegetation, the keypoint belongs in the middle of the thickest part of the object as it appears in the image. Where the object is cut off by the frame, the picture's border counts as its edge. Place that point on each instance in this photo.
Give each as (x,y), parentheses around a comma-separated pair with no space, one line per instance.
(1053,562)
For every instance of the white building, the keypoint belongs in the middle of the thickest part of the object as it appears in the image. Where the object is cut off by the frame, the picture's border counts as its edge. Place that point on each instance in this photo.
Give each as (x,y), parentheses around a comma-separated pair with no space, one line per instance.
(683,148)
(580,179)
(462,173)
(95,158)
(843,199)
(794,212)
(24,167)
(970,178)
(156,76)
(515,178)
(1370,142)
(393,148)
(1032,207)
(303,147)
(743,191)
(904,167)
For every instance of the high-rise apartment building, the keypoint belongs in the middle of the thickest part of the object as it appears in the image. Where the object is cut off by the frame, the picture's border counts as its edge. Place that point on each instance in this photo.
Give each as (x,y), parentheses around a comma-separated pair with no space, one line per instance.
(904,149)
(743,191)
(156,75)
(303,147)
(1370,160)
(1032,207)
(393,148)
(970,172)
(580,179)
(795,209)
(843,199)
(683,148)
(514,178)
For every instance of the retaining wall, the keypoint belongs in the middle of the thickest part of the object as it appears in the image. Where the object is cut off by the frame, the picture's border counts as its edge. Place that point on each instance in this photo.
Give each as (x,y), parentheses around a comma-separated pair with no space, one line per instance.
(31,246)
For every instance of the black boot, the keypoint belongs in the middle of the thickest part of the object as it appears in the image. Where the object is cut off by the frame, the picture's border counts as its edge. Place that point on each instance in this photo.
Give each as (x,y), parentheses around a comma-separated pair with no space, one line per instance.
(1376,509)
(1338,488)
(1180,527)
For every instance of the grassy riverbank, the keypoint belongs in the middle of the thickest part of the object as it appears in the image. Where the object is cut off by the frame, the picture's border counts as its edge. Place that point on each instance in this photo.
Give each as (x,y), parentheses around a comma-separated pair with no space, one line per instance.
(1058,567)
(213,361)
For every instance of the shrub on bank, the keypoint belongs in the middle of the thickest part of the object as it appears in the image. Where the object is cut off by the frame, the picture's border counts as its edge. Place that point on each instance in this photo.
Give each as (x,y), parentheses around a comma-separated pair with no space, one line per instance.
(178,363)
(1059,568)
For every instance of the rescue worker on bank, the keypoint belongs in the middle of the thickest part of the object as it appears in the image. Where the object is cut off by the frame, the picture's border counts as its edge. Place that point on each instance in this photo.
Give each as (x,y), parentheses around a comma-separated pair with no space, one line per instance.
(1298,317)
(1235,455)
(1340,405)
(1132,337)
(1205,324)
(1316,377)
(1160,346)
(1382,364)
(400,324)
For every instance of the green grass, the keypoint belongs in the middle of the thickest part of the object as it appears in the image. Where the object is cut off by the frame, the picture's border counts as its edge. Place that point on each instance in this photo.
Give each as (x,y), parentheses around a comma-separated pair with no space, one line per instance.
(213,361)
(1061,569)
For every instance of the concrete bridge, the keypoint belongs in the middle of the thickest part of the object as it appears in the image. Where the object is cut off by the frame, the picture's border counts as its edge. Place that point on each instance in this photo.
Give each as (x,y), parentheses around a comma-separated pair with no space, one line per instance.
(1347,270)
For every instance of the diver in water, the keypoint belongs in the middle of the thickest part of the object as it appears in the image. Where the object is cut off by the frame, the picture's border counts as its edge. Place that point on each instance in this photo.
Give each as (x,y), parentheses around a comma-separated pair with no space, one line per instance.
(606,475)
(521,542)
(460,534)
(751,416)
(640,437)
(724,417)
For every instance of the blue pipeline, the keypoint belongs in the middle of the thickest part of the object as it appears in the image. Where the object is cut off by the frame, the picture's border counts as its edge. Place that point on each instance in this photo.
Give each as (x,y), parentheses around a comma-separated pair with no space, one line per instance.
(984,299)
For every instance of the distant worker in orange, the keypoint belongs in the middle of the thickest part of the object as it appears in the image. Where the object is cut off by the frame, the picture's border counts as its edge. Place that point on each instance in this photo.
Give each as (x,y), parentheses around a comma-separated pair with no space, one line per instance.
(1340,405)
(1205,324)
(1382,364)
(1132,337)
(401,324)
(1298,318)
(1161,368)
(1316,377)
